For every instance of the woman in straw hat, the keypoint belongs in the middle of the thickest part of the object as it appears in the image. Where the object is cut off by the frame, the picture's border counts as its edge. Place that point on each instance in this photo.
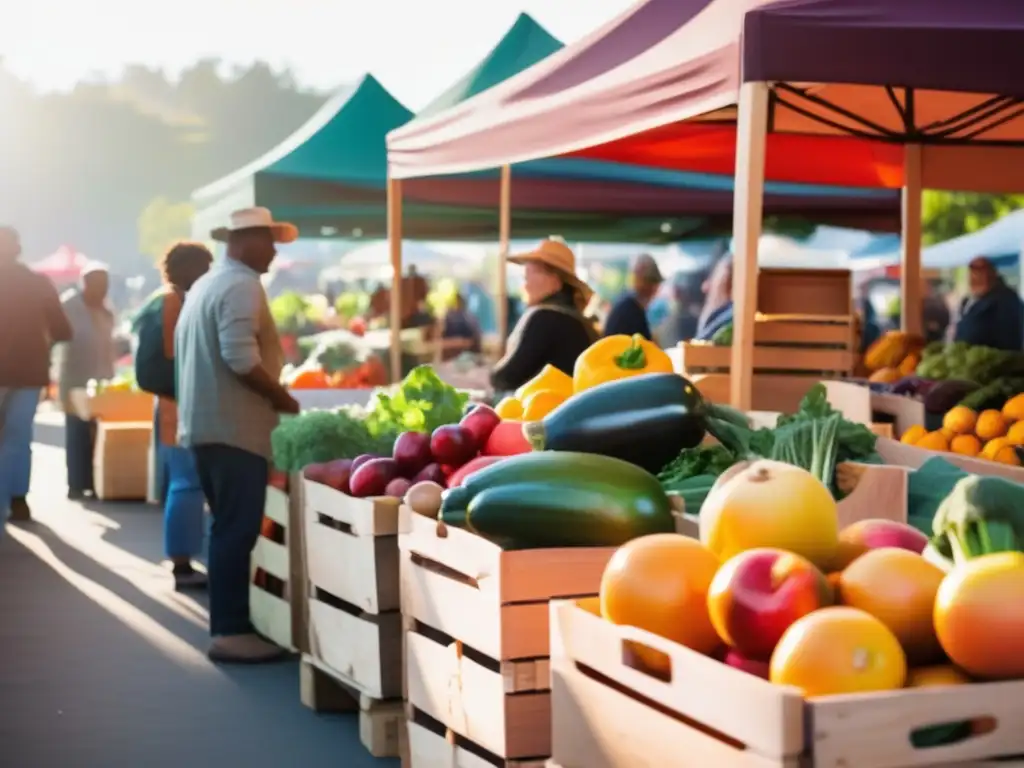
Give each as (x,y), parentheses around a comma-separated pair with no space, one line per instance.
(554,329)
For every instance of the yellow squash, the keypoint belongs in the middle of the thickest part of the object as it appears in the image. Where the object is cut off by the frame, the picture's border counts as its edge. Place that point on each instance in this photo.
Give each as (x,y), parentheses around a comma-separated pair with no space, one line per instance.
(549,378)
(618,357)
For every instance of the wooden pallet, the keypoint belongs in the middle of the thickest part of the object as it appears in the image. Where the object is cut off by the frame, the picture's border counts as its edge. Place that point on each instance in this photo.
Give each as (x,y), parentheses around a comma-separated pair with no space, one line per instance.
(381,723)
(355,628)
(277,591)
(476,637)
(432,744)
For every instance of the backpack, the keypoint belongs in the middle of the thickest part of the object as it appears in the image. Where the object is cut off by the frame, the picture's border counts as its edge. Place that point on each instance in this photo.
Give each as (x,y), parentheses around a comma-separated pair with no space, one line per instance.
(154,373)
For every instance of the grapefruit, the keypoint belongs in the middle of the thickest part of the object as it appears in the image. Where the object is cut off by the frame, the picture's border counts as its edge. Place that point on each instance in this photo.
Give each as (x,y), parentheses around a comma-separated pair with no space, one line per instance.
(979,616)
(660,583)
(897,587)
(839,650)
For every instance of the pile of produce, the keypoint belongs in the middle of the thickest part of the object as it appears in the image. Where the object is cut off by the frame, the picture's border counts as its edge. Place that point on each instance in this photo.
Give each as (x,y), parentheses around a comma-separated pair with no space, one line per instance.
(421,464)
(815,438)
(336,360)
(774,588)
(893,356)
(420,403)
(991,434)
(609,359)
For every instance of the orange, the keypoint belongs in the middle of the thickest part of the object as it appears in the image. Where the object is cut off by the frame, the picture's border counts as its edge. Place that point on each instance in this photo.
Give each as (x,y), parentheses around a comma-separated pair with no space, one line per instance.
(933,441)
(309,378)
(660,583)
(541,403)
(1016,433)
(979,616)
(913,434)
(1007,455)
(898,588)
(960,420)
(509,409)
(839,650)
(938,674)
(992,447)
(965,445)
(991,424)
(1013,409)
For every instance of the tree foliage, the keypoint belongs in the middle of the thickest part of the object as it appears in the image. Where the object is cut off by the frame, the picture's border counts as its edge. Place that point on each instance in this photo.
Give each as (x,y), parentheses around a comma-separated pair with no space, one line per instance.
(105,166)
(950,214)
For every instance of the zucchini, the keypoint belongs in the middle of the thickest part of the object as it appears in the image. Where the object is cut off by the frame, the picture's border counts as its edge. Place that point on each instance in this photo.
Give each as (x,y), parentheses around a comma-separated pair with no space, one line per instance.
(563,499)
(645,420)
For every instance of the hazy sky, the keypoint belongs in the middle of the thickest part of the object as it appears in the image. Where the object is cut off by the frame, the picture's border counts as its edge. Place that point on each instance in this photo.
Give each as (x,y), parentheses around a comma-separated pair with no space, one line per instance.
(415,47)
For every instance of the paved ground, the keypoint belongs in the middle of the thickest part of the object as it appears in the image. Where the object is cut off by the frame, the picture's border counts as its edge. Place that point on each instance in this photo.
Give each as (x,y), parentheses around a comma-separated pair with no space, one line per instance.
(102,665)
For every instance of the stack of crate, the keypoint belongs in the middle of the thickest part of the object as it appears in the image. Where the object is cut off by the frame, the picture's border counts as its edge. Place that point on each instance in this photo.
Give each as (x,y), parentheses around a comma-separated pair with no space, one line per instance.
(475,618)
(354,659)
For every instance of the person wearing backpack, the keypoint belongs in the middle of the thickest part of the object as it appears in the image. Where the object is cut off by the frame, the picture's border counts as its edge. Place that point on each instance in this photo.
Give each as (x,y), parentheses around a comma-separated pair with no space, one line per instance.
(154,327)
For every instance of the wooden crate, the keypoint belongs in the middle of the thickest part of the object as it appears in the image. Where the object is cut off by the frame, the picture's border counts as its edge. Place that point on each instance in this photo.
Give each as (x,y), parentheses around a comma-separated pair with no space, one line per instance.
(355,628)
(381,723)
(607,714)
(112,405)
(431,744)
(476,642)
(121,460)
(277,590)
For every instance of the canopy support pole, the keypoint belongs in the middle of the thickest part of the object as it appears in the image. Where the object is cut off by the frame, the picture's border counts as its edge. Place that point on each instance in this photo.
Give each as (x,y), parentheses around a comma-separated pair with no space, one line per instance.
(911,286)
(748,205)
(504,238)
(395,244)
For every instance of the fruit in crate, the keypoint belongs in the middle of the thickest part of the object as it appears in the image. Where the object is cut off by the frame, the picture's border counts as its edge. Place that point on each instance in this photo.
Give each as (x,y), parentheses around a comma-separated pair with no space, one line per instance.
(839,650)
(480,423)
(979,616)
(991,424)
(935,675)
(412,452)
(885,376)
(771,504)
(452,445)
(373,477)
(1013,409)
(891,349)
(897,587)
(660,583)
(865,535)
(737,660)
(960,420)
(757,595)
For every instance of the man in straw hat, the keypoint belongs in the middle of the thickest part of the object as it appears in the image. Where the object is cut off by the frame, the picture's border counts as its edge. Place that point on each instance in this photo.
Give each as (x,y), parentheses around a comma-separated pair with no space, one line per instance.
(553,330)
(228,361)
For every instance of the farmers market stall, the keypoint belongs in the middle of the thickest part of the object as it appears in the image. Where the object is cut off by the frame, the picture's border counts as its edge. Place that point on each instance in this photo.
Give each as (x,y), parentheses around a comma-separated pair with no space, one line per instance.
(765,555)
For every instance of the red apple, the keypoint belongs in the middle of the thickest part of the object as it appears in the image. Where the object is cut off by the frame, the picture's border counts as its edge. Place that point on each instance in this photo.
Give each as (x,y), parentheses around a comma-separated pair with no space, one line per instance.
(737,660)
(758,594)
(864,535)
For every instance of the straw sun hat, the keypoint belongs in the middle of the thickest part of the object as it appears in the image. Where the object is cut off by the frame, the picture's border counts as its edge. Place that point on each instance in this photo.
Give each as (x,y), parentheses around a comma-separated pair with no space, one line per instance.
(253,218)
(558,256)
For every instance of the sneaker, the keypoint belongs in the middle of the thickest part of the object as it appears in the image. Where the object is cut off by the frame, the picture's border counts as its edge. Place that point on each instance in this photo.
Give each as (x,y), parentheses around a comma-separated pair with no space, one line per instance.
(244,649)
(20,511)
(190,580)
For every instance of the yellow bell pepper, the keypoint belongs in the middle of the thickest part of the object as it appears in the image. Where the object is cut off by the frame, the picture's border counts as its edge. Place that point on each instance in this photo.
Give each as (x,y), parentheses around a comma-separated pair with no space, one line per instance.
(618,357)
(549,378)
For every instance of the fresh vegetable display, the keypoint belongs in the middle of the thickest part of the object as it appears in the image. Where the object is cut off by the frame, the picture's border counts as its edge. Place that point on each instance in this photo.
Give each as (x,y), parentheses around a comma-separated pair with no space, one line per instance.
(618,357)
(559,500)
(815,438)
(336,360)
(959,360)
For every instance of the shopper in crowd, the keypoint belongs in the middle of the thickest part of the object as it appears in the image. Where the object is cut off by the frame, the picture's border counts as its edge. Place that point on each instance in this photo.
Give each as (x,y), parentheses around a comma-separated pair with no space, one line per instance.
(31,320)
(629,314)
(461,331)
(229,360)
(993,315)
(553,330)
(88,356)
(717,311)
(681,323)
(184,507)
(935,313)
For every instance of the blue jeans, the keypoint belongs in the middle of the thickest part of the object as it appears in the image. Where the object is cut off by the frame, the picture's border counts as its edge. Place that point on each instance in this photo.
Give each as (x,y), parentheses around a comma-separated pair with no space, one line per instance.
(235,484)
(79,444)
(183,508)
(17,418)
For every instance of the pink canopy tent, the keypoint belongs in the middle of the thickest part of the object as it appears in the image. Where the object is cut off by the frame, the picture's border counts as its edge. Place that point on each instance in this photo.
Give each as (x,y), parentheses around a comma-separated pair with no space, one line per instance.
(63,265)
(911,93)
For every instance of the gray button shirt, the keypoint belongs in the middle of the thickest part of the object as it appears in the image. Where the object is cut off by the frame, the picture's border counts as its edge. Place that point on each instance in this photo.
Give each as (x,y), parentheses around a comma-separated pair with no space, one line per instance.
(225,330)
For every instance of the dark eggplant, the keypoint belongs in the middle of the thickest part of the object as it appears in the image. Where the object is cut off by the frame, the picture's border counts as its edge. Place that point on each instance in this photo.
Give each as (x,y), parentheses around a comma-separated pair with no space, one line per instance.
(645,420)
(946,395)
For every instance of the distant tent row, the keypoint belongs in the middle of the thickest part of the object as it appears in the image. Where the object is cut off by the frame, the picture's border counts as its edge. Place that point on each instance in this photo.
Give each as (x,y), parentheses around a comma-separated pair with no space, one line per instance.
(329,178)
